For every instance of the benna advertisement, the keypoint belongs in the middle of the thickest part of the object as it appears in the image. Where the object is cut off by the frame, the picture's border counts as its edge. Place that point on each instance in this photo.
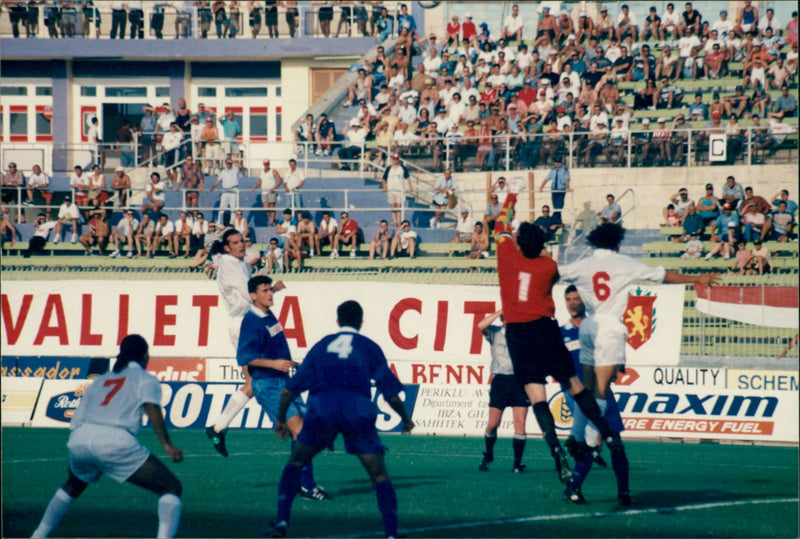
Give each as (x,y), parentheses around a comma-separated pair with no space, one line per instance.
(412,323)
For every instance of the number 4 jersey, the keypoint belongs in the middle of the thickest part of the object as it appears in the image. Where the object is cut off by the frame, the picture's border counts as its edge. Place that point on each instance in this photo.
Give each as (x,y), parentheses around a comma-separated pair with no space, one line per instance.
(602,280)
(117,399)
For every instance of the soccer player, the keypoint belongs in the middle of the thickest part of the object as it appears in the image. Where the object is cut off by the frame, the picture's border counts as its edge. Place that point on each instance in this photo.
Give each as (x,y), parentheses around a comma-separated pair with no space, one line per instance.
(103,440)
(602,280)
(505,391)
(337,373)
(526,276)
(582,431)
(264,351)
(232,276)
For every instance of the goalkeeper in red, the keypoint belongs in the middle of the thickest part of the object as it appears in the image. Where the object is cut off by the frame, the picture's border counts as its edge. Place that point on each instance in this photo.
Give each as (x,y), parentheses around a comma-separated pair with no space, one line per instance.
(534,341)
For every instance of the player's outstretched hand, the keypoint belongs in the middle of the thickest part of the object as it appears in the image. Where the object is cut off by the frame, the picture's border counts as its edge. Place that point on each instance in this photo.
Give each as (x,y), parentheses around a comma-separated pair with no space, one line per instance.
(284,365)
(174,453)
(709,278)
(277,286)
(281,429)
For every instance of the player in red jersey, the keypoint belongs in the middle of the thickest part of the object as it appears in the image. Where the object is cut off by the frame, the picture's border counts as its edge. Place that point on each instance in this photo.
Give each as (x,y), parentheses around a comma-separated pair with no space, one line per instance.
(534,341)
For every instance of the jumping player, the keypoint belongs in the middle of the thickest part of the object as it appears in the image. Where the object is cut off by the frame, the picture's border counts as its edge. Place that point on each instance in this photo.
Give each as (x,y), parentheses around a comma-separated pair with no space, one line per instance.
(337,373)
(103,440)
(526,278)
(583,432)
(505,391)
(232,277)
(602,280)
(264,352)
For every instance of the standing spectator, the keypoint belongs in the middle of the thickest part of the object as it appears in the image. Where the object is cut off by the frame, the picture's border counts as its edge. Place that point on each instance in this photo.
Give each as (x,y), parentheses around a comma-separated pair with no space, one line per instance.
(96,139)
(118,19)
(395,177)
(192,181)
(124,232)
(147,134)
(559,186)
(171,145)
(231,130)
(125,144)
(404,241)
(444,188)
(229,178)
(136,18)
(611,212)
(380,244)
(269,181)
(348,233)
(213,154)
(293,182)
(103,440)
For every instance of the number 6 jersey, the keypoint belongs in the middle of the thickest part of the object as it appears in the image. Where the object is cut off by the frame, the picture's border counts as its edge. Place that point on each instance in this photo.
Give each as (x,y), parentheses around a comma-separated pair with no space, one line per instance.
(117,399)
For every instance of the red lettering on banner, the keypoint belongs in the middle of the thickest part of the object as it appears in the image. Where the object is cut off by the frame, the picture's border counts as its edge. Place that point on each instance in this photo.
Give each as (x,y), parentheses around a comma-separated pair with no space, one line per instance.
(291,304)
(53,305)
(205,303)
(122,320)
(418,373)
(163,320)
(441,327)
(479,310)
(654,424)
(433,370)
(13,330)
(87,337)
(400,340)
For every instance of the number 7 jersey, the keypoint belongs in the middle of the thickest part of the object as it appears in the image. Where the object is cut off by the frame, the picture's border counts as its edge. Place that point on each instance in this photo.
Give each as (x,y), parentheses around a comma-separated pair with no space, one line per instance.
(117,399)
(602,280)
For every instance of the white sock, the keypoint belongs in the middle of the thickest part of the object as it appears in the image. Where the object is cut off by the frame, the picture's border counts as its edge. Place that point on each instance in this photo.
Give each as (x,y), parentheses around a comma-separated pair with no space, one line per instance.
(238,401)
(169,515)
(56,509)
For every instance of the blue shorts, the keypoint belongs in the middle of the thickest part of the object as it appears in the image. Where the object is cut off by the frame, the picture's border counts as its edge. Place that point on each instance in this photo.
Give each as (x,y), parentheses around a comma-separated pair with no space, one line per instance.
(267,392)
(354,421)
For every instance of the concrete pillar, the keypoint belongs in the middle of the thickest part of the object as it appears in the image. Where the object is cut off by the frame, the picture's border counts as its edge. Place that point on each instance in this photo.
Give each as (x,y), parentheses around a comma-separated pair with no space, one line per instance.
(62,111)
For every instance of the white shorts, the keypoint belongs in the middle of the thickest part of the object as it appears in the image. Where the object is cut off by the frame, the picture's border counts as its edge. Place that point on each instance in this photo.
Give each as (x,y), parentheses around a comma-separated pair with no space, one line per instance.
(603,340)
(234,326)
(95,450)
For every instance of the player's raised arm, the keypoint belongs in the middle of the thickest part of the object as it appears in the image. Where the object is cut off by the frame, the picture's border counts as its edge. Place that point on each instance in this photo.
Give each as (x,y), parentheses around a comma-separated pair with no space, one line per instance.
(502,225)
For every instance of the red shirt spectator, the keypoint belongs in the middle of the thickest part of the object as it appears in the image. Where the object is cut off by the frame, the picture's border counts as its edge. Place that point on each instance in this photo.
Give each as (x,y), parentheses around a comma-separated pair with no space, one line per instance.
(468,30)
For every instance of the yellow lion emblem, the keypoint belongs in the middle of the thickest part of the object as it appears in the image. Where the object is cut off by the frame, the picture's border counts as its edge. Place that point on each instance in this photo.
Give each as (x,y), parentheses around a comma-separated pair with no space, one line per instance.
(638,322)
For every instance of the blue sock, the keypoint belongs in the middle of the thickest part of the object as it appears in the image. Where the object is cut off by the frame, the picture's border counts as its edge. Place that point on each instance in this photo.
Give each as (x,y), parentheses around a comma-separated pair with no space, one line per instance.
(619,463)
(387,504)
(307,475)
(581,470)
(287,489)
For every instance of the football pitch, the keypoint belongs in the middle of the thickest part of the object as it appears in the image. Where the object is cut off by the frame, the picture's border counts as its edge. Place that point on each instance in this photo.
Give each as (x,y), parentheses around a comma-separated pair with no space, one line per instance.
(678,489)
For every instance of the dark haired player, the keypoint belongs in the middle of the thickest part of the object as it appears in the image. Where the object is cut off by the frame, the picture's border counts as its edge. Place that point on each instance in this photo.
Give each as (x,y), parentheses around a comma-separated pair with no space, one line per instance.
(103,440)
(526,292)
(264,351)
(505,391)
(337,373)
(602,280)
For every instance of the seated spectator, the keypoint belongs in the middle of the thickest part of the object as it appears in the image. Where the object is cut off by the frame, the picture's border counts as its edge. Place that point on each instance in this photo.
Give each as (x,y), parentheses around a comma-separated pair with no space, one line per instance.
(273,257)
(670,23)
(68,212)
(742,260)
(12,179)
(549,223)
(618,144)
(479,242)
(252,256)
(492,211)
(356,136)
(211,236)
(80,184)
(681,202)
(597,140)
(694,248)
(306,232)
(669,95)
(782,223)
(756,224)
(304,135)
(652,25)
(38,184)
(97,192)
(326,231)
(98,232)
(325,135)
(777,133)
(761,204)
(732,192)
(714,65)
(761,259)
(121,184)
(380,244)
(184,225)
(736,104)
(164,232)
(698,110)
(444,188)
(124,232)
(171,146)
(667,64)
(404,241)
(693,224)
(464,228)
(783,195)
(708,206)
(785,105)
(154,194)
(645,98)
(611,212)
(144,234)
(348,233)
(671,217)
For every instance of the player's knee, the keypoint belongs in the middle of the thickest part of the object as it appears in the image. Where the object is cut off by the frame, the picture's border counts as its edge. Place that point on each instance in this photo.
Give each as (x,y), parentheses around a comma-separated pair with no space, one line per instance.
(174,486)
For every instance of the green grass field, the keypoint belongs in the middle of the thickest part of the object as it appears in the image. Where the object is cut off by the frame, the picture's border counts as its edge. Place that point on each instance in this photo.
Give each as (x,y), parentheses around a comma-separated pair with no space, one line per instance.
(679,490)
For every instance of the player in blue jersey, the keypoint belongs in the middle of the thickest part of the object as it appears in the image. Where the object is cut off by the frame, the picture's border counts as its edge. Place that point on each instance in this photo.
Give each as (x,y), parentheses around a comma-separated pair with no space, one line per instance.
(264,350)
(584,442)
(338,373)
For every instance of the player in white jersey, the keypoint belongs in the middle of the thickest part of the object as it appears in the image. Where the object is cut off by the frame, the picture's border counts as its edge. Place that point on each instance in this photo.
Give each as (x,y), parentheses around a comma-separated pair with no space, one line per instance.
(602,280)
(232,276)
(103,440)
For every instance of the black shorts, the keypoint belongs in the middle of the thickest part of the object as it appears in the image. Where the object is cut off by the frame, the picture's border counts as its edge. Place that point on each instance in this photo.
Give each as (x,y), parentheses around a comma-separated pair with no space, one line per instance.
(271,17)
(507,391)
(255,17)
(536,350)
(326,13)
